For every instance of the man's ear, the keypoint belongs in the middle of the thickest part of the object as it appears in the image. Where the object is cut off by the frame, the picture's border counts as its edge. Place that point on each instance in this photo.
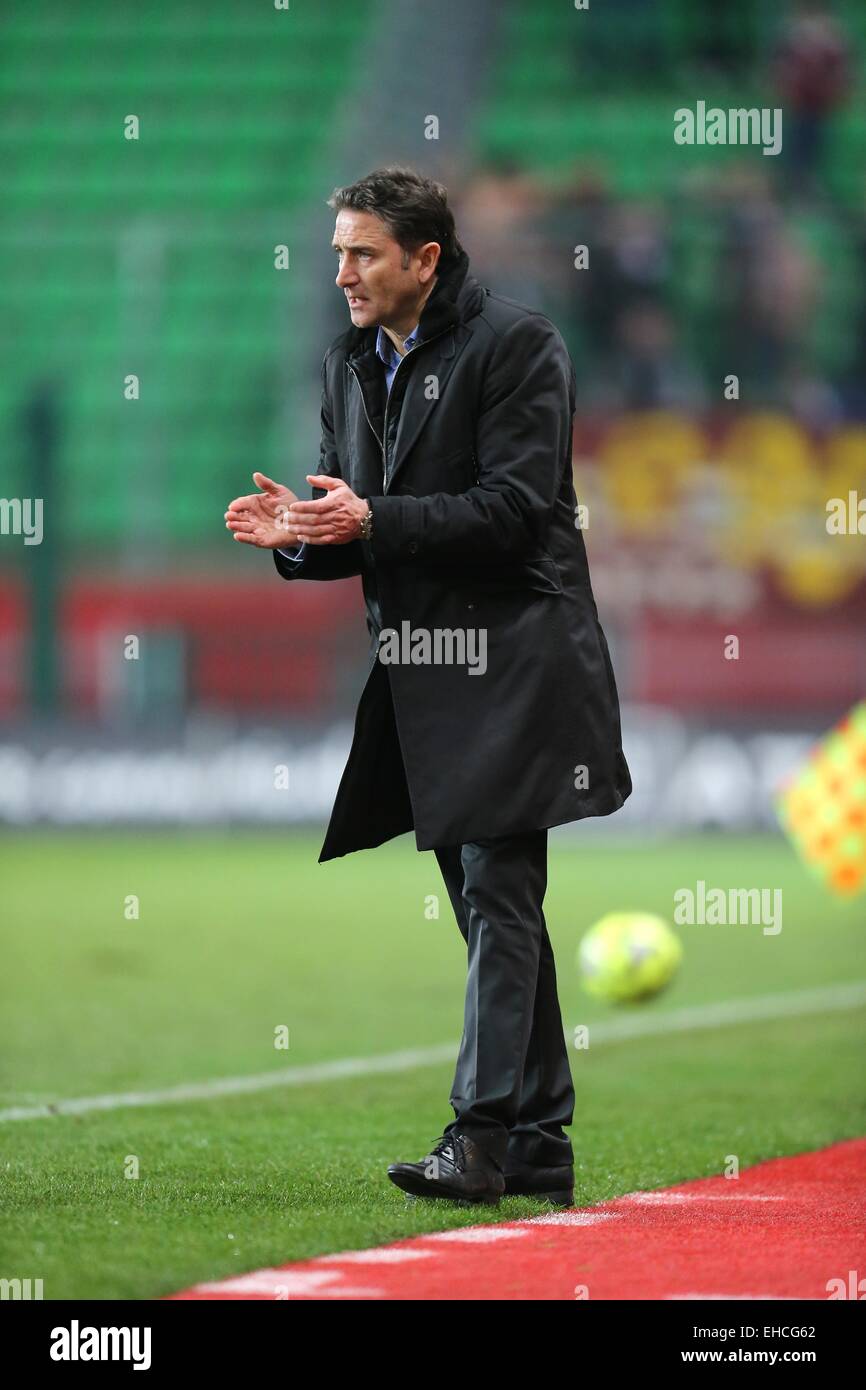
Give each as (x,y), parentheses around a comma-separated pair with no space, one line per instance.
(430,267)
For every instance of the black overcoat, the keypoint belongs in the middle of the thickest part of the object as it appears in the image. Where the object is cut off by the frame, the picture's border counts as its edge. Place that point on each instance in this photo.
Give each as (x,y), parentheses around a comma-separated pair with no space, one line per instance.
(467,466)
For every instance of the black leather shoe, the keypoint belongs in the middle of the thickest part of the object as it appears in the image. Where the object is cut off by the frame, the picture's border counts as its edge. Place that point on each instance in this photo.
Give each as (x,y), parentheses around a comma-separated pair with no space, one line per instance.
(456,1168)
(554,1185)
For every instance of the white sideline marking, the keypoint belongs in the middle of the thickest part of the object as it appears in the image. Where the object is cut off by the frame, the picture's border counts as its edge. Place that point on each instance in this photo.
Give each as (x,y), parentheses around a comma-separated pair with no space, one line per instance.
(479,1235)
(737,1297)
(276,1282)
(288,1283)
(574,1218)
(378,1255)
(672,1199)
(831,998)
(241,1085)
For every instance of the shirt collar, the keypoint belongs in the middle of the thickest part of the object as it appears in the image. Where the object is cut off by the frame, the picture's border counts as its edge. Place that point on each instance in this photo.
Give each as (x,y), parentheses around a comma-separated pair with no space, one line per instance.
(386,349)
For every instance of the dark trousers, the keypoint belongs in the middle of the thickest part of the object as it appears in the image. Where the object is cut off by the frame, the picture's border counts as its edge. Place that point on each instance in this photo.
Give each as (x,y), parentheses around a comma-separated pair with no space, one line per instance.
(512,1088)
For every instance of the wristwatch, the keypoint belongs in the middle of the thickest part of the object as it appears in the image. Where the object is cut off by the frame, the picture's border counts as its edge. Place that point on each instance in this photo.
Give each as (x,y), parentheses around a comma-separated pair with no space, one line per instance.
(367,525)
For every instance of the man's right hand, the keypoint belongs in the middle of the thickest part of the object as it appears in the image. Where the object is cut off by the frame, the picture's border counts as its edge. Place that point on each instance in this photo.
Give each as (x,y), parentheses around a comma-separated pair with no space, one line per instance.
(263,518)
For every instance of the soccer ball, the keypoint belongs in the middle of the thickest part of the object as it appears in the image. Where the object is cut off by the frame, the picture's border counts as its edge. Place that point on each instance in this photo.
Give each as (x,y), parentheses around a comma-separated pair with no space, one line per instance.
(628,957)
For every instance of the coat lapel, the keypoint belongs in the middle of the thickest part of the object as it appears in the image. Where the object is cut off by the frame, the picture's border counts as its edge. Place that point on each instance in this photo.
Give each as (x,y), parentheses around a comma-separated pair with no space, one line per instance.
(365,392)
(455,297)
(436,360)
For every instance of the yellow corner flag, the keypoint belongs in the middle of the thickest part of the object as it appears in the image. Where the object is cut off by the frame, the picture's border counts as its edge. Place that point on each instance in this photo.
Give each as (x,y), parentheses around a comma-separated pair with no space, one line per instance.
(823,806)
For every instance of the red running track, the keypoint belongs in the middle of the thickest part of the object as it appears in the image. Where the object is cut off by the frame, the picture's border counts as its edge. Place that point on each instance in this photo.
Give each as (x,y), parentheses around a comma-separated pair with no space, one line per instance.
(790,1228)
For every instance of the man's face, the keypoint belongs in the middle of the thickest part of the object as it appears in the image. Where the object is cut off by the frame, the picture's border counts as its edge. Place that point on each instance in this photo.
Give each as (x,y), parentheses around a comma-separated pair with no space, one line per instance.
(371,274)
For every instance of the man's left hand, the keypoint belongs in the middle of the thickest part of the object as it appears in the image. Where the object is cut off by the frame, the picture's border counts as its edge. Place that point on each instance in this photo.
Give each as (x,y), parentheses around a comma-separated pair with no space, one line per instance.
(332,520)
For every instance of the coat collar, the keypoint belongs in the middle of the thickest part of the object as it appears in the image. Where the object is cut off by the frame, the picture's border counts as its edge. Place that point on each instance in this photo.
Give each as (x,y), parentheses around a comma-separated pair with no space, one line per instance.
(454,299)
(456,296)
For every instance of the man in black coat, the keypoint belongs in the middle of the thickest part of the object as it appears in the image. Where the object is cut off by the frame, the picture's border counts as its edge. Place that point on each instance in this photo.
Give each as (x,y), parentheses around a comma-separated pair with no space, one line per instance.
(490,709)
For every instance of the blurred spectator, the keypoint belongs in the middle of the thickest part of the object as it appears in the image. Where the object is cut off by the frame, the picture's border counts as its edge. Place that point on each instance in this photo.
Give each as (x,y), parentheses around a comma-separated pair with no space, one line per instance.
(647,370)
(499,215)
(854,390)
(629,263)
(767,283)
(578,213)
(812,72)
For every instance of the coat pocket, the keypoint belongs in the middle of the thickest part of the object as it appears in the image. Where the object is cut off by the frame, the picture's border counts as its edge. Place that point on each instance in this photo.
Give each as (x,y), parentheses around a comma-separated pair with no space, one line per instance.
(539,574)
(542,574)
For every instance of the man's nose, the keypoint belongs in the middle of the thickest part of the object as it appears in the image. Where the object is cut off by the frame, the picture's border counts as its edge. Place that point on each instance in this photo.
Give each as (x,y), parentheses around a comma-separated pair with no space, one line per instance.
(346,277)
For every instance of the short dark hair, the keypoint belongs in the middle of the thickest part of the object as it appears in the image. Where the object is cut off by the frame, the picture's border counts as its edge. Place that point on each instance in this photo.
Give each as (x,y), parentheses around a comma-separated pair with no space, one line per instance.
(414,209)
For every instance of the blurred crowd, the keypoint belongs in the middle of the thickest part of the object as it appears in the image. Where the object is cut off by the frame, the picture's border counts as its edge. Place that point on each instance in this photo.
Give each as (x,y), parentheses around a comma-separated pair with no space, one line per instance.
(746,265)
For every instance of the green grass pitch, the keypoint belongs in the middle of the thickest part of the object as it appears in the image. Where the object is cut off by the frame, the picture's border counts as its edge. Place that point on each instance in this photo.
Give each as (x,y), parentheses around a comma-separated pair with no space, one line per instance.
(238,934)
